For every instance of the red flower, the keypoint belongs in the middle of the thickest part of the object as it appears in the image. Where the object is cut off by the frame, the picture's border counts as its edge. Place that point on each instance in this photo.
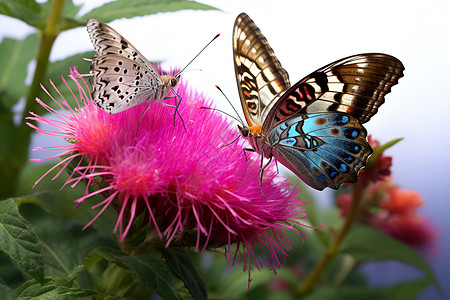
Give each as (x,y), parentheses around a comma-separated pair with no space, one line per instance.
(411,229)
(378,168)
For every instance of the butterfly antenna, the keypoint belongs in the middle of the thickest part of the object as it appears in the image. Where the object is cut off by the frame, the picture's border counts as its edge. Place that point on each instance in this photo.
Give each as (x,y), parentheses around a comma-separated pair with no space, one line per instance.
(178,74)
(240,120)
(221,111)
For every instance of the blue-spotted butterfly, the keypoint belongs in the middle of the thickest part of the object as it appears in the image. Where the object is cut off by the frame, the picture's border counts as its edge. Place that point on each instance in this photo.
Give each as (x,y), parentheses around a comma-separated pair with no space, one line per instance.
(314,127)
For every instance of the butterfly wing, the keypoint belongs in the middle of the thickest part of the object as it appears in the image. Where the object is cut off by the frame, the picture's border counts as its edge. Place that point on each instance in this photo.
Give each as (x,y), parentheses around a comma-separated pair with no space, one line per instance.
(108,41)
(122,76)
(322,149)
(260,77)
(120,83)
(355,85)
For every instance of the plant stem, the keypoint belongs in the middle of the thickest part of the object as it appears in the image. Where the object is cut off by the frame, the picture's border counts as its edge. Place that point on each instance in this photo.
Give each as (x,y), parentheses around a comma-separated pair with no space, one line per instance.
(12,168)
(331,252)
(47,38)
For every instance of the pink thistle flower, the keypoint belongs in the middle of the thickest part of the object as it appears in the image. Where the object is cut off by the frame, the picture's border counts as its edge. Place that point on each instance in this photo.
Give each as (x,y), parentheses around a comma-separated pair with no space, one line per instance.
(193,191)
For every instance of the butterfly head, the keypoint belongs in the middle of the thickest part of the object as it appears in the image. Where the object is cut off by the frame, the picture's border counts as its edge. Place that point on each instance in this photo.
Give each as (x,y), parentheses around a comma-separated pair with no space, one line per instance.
(174,81)
(244,130)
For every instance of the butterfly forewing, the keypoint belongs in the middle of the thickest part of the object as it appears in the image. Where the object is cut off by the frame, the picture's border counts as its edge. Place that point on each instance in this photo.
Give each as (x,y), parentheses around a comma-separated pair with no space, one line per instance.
(121,76)
(260,77)
(108,41)
(355,85)
(324,150)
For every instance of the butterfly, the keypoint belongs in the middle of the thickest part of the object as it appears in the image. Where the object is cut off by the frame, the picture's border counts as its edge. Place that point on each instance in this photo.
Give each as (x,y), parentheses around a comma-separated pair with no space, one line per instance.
(314,128)
(121,76)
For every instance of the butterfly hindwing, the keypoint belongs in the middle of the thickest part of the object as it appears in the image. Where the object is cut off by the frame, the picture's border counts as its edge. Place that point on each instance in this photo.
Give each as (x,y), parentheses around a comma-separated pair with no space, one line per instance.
(355,85)
(323,149)
(260,77)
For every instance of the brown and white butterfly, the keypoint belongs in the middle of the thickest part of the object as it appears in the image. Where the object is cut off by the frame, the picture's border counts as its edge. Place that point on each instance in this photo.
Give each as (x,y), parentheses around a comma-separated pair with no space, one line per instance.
(314,127)
(121,76)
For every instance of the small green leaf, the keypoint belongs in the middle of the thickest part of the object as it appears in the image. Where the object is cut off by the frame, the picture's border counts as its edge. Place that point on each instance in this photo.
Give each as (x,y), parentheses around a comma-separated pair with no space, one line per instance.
(19,242)
(53,288)
(365,243)
(28,11)
(181,264)
(16,54)
(377,151)
(152,272)
(122,8)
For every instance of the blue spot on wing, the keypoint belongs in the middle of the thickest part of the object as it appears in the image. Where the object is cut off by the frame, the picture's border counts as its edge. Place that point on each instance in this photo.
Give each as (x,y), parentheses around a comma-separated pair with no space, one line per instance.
(289,141)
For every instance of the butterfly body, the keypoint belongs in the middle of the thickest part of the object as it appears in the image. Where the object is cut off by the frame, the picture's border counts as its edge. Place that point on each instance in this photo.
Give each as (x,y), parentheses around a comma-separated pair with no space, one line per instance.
(121,76)
(314,128)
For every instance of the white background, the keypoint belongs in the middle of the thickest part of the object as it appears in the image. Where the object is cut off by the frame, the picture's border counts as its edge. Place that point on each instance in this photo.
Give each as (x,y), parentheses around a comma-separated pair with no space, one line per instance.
(306,35)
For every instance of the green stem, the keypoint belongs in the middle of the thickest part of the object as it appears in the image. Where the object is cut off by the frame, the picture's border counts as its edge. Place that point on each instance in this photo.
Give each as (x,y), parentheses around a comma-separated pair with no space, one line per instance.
(12,168)
(331,252)
(48,36)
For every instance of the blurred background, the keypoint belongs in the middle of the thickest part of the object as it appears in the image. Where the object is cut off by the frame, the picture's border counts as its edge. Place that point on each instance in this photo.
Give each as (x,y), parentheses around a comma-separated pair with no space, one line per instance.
(305,36)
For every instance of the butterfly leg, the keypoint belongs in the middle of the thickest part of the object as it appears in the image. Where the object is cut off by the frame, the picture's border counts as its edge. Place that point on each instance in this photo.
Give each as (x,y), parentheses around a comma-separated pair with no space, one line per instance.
(145,110)
(261,170)
(247,150)
(276,165)
(177,104)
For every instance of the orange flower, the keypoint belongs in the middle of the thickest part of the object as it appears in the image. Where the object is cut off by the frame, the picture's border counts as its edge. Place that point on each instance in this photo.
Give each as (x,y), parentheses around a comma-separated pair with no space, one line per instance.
(402,201)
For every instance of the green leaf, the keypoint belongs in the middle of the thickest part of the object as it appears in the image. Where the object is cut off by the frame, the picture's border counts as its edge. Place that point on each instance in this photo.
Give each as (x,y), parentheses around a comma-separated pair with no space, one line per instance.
(68,19)
(122,8)
(152,272)
(37,14)
(53,288)
(19,242)
(61,251)
(405,291)
(28,11)
(13,149)
(16,54)
(365,243)
(5,291)
(181,264)
(346,293)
